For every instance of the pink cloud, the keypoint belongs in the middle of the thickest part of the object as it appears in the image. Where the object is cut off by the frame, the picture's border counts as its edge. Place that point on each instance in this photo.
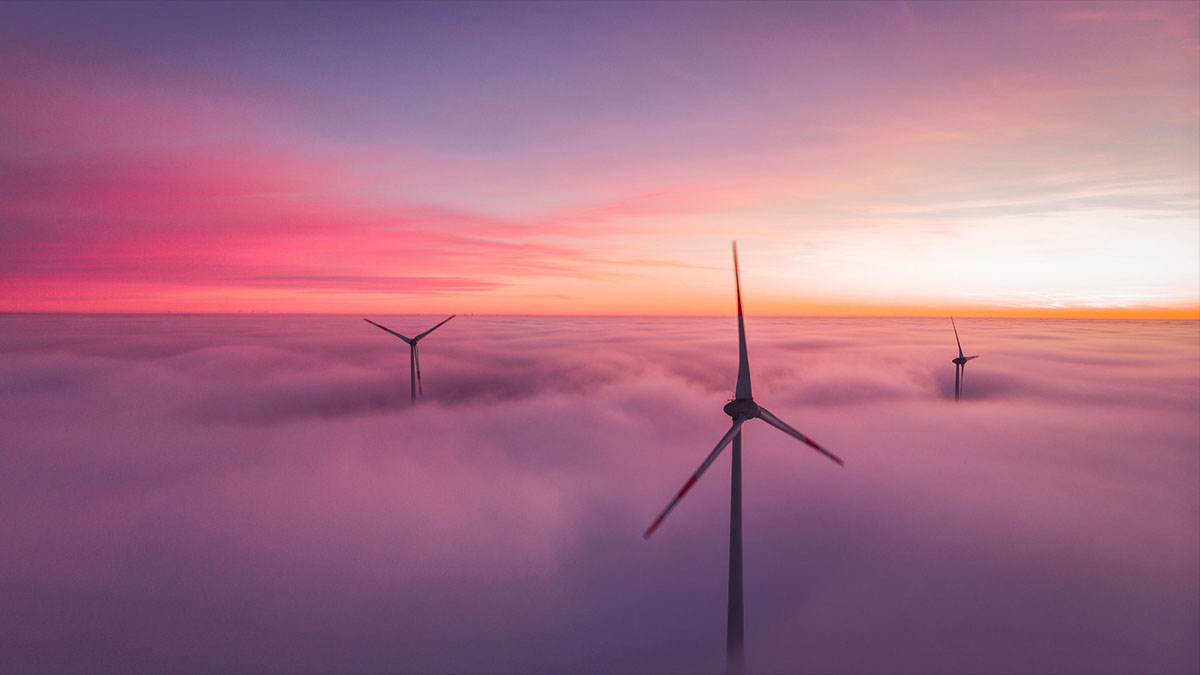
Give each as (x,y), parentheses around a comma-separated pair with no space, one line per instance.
(256,494)
(131,182)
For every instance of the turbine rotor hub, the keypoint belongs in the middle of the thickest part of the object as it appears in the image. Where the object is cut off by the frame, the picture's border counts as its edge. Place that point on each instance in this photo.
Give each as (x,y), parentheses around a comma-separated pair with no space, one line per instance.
(742,407)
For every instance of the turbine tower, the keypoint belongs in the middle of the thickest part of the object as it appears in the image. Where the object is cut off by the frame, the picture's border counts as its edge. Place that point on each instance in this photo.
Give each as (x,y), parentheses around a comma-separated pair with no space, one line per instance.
(960,364)
(742,409)
(414,357)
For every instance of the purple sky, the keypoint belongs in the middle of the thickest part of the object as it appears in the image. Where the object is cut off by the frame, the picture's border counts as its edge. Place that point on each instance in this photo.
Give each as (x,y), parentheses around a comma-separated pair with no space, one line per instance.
(254,494)
(559,158)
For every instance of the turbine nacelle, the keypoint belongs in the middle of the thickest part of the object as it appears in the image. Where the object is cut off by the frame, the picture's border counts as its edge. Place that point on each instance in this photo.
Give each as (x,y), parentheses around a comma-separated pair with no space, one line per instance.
(963,359)
(742,407)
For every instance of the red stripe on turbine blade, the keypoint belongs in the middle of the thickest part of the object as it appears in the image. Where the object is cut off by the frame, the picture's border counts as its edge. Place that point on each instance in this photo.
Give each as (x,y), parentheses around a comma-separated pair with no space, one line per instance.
(682,491)
(653,526)
(687,486)
(823,451)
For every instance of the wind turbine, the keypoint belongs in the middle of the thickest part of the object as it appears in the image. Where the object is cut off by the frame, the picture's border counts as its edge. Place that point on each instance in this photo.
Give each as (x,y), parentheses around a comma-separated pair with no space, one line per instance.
(414,358)
(960,364)
(742,409)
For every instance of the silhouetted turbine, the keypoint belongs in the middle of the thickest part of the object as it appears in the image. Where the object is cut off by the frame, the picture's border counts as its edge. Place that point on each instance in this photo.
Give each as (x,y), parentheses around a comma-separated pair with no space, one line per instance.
(414,358)
(742,409)
(960,364)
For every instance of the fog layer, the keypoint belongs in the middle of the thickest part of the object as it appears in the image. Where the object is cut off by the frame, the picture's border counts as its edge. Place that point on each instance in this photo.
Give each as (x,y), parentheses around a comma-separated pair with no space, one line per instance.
(257,494)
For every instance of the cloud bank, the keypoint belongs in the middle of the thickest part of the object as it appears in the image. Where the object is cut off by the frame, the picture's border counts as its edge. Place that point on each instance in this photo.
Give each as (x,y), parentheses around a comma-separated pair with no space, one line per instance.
(256,494)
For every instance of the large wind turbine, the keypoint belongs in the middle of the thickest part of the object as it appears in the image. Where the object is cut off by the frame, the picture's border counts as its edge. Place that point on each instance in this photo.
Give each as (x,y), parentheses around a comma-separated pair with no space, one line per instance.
(742,409)
(414,358)
(960,364)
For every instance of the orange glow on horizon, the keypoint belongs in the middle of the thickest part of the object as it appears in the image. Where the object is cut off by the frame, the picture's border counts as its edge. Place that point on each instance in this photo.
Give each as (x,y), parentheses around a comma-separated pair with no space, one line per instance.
(186,300)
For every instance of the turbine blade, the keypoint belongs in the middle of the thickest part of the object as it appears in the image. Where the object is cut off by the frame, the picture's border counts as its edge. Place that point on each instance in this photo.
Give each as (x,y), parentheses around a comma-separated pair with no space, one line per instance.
(956,337)
(434,328)
(417,362)
(408,340)
(725,440)
(972,357)
(412,370)
(782,426)
(743,374)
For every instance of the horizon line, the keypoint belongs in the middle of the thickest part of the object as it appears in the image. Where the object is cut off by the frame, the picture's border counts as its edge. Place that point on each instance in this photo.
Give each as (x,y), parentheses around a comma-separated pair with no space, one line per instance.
(1132,315)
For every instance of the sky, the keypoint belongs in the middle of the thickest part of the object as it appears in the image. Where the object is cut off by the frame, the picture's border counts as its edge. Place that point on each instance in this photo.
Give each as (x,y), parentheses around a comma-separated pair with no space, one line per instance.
(256,494)
(907,158)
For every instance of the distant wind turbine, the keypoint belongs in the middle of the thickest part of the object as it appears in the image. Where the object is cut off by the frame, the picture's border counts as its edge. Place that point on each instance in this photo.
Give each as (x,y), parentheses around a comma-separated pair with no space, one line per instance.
(960,364)
(742,408)
(414,358)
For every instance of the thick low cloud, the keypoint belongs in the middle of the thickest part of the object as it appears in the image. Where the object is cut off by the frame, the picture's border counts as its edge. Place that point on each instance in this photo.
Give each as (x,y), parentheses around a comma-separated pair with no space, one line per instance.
(256,494)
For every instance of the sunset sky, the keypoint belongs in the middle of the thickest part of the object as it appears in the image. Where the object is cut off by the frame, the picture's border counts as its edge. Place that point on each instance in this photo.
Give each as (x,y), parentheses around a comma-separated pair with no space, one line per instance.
(1022,159)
